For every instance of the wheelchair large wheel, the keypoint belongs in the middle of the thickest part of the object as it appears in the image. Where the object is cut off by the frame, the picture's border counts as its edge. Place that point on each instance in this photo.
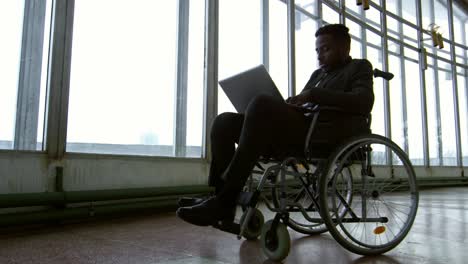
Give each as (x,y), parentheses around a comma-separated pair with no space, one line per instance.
(302,198)
(384,198)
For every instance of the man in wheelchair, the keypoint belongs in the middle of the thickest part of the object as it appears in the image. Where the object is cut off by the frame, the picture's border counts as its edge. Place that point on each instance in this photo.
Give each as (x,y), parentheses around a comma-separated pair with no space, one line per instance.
(272,127)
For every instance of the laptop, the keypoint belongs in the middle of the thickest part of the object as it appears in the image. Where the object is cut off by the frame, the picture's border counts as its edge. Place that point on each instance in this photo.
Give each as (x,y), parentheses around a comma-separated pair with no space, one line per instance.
(243,87)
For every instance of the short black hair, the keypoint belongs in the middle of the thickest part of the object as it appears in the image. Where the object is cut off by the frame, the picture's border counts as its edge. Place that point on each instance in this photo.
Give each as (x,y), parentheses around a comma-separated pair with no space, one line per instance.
(338,31)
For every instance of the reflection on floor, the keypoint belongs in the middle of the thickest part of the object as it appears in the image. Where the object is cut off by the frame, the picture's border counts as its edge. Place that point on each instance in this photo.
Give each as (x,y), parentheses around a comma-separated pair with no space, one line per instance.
(439,235)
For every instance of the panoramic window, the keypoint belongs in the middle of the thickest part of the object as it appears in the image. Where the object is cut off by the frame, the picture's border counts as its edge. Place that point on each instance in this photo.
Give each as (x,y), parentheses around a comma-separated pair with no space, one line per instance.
(137,84)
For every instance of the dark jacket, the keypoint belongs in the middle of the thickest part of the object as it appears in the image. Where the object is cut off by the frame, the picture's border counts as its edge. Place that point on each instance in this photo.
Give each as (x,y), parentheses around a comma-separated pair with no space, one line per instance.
(349,89)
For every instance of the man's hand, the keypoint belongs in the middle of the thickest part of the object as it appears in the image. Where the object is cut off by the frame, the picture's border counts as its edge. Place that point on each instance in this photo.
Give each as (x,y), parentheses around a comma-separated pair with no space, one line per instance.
(299,99)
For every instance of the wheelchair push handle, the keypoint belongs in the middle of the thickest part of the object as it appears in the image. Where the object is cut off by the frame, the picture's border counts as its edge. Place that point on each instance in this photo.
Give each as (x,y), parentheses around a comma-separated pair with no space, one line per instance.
(386,75)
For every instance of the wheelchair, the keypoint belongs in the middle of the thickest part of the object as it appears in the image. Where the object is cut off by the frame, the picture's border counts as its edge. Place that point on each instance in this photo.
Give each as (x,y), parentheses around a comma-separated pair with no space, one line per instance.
(364,194)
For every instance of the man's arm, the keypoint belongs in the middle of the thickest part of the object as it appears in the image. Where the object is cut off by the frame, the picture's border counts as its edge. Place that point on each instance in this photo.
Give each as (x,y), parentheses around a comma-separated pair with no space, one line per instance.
(359,99)
(302,97)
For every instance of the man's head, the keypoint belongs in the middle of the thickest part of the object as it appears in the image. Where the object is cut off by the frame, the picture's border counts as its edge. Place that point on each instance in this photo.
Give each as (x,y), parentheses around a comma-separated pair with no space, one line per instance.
(332,45)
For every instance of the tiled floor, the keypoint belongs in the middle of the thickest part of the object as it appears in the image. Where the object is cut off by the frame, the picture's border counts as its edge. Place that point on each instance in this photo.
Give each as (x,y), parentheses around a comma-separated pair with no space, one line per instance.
(439,235)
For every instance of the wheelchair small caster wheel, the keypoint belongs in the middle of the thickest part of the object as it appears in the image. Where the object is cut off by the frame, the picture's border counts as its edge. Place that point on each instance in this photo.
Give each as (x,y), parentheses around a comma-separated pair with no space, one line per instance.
(275,242)
(254,227)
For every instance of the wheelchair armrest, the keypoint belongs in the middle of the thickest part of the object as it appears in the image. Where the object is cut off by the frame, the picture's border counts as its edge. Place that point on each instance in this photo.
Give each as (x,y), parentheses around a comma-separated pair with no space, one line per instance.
(314,111)
(315,108)
(329,108)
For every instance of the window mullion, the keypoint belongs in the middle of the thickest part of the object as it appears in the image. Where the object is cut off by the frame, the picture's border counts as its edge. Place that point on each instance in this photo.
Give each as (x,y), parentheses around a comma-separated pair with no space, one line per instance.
(180,124)
(363,36)
(422,81)
(386,86)
(291,47)
(210,96)
(403,80)
(343,12)
(437,95)
(59,78)
(265,41)
(454,84)
(319,13)
(29,83)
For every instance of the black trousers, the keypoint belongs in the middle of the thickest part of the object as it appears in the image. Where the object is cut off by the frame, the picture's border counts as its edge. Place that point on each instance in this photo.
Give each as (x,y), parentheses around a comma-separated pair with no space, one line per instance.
(268,127)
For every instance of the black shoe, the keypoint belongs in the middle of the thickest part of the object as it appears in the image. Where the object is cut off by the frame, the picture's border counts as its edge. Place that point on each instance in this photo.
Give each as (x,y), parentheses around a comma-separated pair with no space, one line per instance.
(209,212)
(190,201)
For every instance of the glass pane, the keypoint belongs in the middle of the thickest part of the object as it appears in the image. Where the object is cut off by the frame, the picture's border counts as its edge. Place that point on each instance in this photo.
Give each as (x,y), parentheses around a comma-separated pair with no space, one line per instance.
(392,6)
(441,17)
(394,47)
(426,7)
(45,62)
(433,12)
(195,82)
(430,61)
(279,45)
(459,15)
(410,36)
(411,54)
(23,63)
(11,22)
(396,103)
(329,15)
(432,117)
(409,11)
(354,28)
(353,8)
(378,117)
(309,5)
(413,104)
(373,17)
(393,27)
(240,45)
(306,57)
(356,41)
(443,53)
(373,38)
(356,49)
(463,110)
(457,29)
(449,152)
(122,82)
(461,54)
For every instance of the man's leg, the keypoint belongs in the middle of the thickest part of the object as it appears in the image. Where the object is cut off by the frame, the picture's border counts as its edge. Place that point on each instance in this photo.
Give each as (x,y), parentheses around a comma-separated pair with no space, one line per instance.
(225,133)
(269,126)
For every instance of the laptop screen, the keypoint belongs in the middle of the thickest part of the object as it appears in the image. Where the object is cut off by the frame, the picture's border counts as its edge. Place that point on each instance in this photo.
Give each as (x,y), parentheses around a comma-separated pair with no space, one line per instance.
(243,87)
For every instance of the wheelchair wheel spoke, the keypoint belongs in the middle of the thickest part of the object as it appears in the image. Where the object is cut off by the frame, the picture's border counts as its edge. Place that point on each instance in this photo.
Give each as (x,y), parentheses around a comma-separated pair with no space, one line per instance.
(395,215)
